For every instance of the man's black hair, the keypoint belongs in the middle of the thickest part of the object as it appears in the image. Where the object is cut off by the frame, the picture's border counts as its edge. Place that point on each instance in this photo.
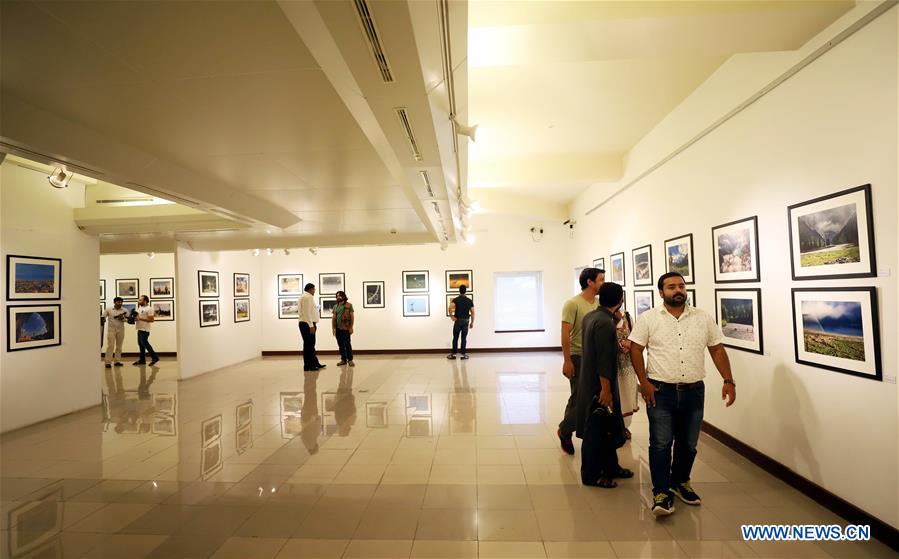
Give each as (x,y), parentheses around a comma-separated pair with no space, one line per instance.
(666,276)
(117,299)
(462,289)
(610,294)
(308,287)
(589,274)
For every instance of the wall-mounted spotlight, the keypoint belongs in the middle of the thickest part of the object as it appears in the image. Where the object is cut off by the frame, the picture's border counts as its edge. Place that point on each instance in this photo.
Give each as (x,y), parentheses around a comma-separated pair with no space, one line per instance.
(151,255)
(464,130)
(60,178)
(268,252)
(313,250)
(255,252)
(286,252)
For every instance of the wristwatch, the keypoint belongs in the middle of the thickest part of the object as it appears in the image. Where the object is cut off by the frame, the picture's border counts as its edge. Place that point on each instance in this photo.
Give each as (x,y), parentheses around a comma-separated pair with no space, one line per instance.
(730,381)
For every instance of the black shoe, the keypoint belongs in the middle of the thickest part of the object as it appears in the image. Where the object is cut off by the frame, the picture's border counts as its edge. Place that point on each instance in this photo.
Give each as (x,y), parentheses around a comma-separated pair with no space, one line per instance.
(108,366)
(686,494)
(320,366)
(451,356)
(662,504)
(155,361)
(464,356)
(567,445)
(139,363)
(117,364)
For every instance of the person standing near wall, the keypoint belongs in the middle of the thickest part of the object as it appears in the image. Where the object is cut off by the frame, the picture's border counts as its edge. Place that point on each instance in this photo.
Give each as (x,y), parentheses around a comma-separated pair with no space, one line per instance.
(461,311)
(142,322)
(308,319)
(342,321)
(115,332)
(573,312)
(672,386)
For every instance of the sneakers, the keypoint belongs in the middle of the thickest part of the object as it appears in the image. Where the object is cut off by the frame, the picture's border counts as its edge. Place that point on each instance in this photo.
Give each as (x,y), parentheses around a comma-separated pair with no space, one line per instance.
(341,363)
(686,494)
(662,504)
(451,356)
(351,364)
(464,356)
(154,361)
(567,445)
(117,364)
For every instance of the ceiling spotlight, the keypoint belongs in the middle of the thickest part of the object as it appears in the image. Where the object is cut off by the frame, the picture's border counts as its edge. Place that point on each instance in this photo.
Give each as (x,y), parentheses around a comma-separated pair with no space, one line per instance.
(268,252)
(60,178)
(464,130)
(255,252)
(152,255)
(313,250)
(286,252)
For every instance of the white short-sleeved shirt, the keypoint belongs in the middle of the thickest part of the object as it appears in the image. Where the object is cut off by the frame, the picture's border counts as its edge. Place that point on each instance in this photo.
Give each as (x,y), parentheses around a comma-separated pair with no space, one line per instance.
(676,346)
(144,312)
(112,318)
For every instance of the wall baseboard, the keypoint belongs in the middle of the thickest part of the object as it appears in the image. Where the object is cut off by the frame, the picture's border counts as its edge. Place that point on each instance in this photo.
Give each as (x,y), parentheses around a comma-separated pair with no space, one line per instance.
(879,529)
(137,354)
(441,351)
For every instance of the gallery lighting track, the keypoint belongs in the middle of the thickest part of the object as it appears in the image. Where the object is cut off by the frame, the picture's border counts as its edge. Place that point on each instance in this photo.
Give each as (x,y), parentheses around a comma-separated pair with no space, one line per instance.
(403,117)
(426,179)
(370,30)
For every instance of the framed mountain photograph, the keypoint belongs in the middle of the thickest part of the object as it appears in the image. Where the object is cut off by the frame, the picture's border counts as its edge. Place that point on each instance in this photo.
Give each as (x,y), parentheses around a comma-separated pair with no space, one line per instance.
(679,257)
(616,274)
(642,265)
(735,251)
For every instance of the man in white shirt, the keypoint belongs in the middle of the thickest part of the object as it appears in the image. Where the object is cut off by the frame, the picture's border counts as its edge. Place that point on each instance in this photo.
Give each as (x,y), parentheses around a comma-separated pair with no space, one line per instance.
(308,319)
(115,332)
(142,323)
(676,335)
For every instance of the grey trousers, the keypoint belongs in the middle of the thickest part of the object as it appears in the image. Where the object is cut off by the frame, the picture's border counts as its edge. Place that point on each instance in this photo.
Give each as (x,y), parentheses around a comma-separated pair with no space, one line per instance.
(569,422)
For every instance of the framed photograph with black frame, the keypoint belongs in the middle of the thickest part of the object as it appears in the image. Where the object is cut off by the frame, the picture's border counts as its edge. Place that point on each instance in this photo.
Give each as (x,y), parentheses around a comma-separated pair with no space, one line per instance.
(451,296)
(127,288)
(288,307)
(373,295)
(739,314)
(457,278)
(33,326)
(644,300)
(209,313)
(416,281)
(832,237)
(600,263)
(679,257)
(642,265)
(163,310)
(691,297)
(208,283)
(735,251)
(241,310)
(329,284)
(416,305)
(102,289)
(838,329)
(34,278)
(617,273)
(162,288)
(326,304)
(241,285)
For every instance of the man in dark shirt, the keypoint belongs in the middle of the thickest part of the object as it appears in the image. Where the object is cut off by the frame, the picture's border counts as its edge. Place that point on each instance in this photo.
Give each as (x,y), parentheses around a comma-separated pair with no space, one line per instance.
(599,380)
(461,312)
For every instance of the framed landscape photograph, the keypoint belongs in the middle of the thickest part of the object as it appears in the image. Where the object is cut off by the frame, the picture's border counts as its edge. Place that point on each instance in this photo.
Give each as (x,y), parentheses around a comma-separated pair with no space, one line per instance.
(326,306)
(416,282)
(642,265)
(599,263)
(127,288)
(735,251)
(288,307)
(832,237)
(739,314)
(209,313)
(163,310)
(644,300)
(838,329)
(33,327)
(616,274)
(691,297)
(679,257)
(329,284)
(102,290)
(163,288)
(241,285)
(450,297)
(129,306)
(102,307)
(457,278)
(241,310)
(373,294)
(416,305)
(34,278)
(290,284)
(208,283)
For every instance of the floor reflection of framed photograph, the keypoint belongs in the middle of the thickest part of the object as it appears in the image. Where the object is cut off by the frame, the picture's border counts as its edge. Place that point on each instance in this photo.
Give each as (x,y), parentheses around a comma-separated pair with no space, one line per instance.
(209,313)
(241,310)
(739,314)
(290,284)
(418,404)
(838,329)
(165,403)
(642,265)
(243,439)
(329,284)
(208,283)
(164,426)
(31,278)
(416,282)
(163,311)
(211,429)
(292,403)
(35,523)
(735,251)
(33,327)
(419,426)
(373,292)
(832,237)
(211,459)
(679,257)
(416,305)
(376,415)
(162,288)
(616,274)
(244,413)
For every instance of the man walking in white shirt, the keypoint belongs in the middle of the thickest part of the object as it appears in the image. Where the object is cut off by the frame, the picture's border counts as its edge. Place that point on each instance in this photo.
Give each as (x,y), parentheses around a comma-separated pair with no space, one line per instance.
(142,323)
(308,319)
(115,332)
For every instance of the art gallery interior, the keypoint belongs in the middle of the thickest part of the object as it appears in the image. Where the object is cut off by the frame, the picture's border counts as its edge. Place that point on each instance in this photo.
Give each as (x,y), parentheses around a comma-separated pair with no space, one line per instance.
(217,156)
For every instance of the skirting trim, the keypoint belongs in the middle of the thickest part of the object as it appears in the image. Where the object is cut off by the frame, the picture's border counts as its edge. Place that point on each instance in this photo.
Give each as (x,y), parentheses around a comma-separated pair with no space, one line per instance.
(442,351)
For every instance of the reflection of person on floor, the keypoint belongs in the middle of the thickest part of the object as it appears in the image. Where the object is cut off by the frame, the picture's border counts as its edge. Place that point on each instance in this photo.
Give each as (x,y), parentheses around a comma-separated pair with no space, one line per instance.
(345,404)
(311,420)
(462,410)
(131,415)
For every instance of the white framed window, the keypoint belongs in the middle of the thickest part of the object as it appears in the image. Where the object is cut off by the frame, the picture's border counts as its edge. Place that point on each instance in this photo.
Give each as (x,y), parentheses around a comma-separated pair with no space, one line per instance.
(518,302)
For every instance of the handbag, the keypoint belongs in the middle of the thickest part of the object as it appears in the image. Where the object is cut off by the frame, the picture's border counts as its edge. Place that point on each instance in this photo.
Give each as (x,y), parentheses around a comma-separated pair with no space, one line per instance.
(610,424)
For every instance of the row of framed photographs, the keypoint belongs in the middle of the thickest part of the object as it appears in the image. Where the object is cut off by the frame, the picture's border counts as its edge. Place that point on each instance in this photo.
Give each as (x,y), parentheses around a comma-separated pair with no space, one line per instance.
(208,284)
(417,281)
(163,309)
(129,288)
(35,279)
(210,315)
(831,237)
(414,304)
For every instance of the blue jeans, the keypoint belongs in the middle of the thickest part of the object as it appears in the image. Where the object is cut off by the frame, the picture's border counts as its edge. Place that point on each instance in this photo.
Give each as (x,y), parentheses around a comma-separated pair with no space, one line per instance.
(675,421)
(143,342)
(344,344)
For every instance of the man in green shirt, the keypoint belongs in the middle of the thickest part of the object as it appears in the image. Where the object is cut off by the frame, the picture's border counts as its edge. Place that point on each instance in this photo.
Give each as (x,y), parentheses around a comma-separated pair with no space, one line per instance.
(573,312)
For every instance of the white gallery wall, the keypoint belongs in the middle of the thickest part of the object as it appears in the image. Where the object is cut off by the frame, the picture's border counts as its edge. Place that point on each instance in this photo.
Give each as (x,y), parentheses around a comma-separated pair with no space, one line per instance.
(503,244)
(204,349)
(830,127)
(43,383)
(164,334)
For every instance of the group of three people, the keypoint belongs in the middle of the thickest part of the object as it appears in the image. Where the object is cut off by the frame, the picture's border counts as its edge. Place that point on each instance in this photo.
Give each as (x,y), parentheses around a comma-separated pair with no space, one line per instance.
(603,360)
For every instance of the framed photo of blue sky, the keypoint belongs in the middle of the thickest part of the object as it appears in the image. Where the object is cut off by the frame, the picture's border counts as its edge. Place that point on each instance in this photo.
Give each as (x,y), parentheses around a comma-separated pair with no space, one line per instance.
(32,327)
(616,274)
(832,237)
(679,257)
(33,278)
(838,329)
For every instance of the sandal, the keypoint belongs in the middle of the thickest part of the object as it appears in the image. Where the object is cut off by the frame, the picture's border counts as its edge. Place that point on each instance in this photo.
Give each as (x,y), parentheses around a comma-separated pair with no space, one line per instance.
(606,483)
(623,473)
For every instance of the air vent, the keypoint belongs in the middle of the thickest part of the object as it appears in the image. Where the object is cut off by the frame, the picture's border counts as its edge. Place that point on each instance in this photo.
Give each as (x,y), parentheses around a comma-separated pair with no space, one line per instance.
(407,130)
(124,201)
(230,215)
(437,210)
(370,30)
(164,195)
(427,182)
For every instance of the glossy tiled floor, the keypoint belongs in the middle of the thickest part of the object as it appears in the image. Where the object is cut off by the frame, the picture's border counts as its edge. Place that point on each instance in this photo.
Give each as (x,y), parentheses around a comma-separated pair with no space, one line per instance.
(398,457)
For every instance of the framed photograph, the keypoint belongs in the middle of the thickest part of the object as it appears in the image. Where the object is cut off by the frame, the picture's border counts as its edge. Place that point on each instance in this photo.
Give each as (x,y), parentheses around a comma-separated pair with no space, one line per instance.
(32,327)
(208,283)
(163,310)
(102,307)
(102,290)
(373,294)
(450,297)
(642,265)
(838,330)
(600,263)
(329,284)
(289,307)
(241,310)
(616,274)
(290,284)
(127,288)
(326,306)
(735,251)
(457,278)
(163,288)
(211,430)
(416,282)
(376,415)
(644,300)
(209,313)
(241,285)
(416,305)
(691,297)
(129,306)
(34,278)
(832,237)
(679,257)
(739,314)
